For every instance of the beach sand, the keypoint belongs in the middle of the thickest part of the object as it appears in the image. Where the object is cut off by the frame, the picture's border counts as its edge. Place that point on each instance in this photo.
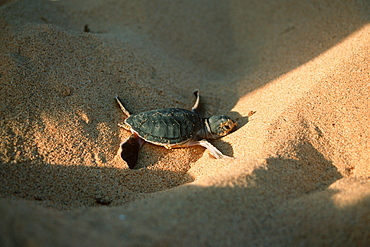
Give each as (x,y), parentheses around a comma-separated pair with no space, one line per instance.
(294,74)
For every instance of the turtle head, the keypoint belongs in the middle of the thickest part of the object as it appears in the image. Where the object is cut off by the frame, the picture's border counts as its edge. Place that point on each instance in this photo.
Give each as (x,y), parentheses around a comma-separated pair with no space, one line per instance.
(220,126)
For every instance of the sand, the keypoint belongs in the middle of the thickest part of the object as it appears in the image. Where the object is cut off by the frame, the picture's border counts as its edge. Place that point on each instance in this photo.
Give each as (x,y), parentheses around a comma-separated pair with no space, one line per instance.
(294,74)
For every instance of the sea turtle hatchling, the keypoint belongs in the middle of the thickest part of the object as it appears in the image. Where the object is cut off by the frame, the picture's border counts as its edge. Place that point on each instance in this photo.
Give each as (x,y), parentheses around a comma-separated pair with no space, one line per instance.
(172,128)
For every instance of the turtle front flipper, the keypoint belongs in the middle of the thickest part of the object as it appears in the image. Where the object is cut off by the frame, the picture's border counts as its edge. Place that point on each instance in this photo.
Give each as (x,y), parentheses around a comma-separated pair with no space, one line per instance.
(129,150)
(197,108)
(197,100)
(212,149)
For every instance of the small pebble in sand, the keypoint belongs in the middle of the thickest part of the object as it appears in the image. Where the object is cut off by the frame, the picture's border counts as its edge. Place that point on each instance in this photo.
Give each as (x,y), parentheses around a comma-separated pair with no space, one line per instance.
(103,200)
(65,91)
(251,113)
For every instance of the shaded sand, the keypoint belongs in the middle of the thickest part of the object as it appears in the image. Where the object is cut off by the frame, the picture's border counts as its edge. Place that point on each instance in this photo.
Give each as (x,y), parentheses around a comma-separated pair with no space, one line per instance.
(294,74)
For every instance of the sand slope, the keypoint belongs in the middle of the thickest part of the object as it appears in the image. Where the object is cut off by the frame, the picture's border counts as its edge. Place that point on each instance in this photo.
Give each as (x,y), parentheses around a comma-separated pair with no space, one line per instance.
(301,173)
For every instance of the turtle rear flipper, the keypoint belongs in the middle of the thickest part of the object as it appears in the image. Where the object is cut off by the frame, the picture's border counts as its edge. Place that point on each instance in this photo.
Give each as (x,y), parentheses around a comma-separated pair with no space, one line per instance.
(124,110)
(129,150)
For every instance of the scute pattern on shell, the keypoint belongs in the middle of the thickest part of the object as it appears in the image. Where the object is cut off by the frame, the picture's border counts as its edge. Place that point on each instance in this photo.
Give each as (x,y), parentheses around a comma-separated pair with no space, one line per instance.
(165,126)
